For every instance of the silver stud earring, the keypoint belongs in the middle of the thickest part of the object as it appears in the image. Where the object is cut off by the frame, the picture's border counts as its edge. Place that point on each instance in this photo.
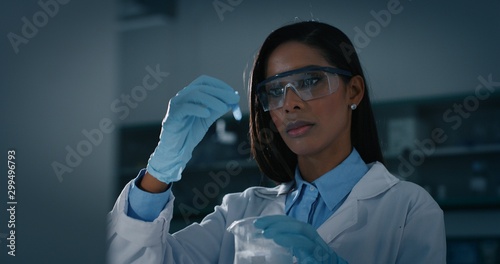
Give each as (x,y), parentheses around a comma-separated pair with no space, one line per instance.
(354,106)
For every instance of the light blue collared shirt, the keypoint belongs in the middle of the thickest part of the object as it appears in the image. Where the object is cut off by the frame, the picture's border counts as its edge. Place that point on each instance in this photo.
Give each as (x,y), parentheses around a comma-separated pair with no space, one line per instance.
(315,202)
(143,205)
(312,203)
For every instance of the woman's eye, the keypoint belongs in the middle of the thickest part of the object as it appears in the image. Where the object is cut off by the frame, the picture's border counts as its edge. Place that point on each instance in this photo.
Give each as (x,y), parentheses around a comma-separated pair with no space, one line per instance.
(275,92)
(311,81)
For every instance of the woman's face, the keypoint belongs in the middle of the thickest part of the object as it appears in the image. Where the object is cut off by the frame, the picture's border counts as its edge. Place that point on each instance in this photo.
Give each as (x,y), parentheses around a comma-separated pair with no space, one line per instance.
(316,127)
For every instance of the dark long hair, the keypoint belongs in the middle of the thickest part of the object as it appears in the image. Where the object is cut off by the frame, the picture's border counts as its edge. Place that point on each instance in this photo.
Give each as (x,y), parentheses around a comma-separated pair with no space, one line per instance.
(273,156)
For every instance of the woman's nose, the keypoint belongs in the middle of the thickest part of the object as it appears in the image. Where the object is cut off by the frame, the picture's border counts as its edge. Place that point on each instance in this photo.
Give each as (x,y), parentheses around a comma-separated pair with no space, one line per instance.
(292,100)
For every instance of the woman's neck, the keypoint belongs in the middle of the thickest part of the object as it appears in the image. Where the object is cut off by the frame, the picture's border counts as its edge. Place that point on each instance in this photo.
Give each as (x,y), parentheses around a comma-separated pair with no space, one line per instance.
(314,166)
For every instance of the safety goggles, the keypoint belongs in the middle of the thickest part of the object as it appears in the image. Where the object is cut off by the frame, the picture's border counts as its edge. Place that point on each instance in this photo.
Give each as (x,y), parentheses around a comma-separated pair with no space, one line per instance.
(308,83)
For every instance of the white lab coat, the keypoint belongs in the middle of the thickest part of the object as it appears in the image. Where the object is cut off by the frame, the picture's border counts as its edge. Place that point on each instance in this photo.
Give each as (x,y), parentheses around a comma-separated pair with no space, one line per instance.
(383,220)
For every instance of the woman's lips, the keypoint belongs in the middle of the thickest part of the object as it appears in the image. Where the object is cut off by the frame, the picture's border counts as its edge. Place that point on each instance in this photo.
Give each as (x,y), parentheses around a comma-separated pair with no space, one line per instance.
(298,128)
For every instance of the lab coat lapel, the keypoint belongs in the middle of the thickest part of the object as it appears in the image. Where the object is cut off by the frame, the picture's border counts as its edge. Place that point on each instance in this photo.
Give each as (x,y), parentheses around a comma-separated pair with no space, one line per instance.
(277,196)
(345,217)
(377,180)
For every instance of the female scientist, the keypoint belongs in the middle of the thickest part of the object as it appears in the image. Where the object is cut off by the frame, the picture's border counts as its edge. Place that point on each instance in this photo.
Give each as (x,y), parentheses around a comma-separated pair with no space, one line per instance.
(312,131)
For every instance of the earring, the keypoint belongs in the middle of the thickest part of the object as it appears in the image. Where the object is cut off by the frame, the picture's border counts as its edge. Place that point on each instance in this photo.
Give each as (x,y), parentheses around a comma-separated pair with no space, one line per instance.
(354,106)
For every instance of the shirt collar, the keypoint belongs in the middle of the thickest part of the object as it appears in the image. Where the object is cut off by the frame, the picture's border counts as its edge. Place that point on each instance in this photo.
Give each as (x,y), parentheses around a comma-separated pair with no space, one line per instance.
(334,185)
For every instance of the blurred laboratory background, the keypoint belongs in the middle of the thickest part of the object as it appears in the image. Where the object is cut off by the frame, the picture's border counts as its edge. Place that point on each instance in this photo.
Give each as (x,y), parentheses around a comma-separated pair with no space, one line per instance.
(85,85)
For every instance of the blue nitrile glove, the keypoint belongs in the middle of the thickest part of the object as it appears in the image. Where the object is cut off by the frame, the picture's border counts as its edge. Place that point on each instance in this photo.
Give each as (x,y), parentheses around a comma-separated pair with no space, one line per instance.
(306,244)
(190,113)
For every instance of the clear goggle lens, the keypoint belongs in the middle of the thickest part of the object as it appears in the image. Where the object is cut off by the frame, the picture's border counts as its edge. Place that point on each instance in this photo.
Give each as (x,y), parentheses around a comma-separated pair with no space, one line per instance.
(308,83)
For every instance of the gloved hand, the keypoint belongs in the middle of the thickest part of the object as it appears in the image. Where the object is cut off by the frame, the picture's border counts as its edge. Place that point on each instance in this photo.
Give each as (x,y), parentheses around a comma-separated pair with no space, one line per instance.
(306,244)
(190,113)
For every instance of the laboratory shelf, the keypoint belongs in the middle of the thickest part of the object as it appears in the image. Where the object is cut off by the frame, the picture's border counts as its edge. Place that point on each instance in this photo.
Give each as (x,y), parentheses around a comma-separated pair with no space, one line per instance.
(460,167)
(467,150)
(454,151)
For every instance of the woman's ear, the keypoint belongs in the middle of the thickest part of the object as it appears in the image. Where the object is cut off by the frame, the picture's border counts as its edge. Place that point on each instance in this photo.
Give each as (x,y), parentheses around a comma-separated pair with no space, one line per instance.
(355,89)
